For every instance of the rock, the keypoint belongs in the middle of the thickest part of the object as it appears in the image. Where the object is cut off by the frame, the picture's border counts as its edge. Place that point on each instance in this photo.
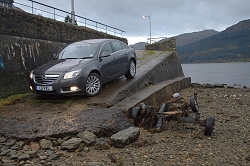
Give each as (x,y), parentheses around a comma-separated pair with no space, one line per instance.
(72,143)
(112,157)
(87,137)
(125,137)
(14,157)
(7,163)
(20,144)
(59,141)
(208,85)
(4,152)
(34,146)
(32,154)
(26,147)
(86,149)
(195,85)
(219,85)
(80,147)
(45,144)
(55,156)
(10,142)
(2,139)
(43,157)
(24,157)
(101,144)
(14,147)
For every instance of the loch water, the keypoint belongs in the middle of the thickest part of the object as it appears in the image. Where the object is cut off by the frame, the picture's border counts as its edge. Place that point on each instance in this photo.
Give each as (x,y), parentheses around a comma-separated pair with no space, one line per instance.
(234,73)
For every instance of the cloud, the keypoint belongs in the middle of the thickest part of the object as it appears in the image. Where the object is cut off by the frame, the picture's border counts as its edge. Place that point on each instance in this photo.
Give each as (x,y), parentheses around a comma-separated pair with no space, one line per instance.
(168,17)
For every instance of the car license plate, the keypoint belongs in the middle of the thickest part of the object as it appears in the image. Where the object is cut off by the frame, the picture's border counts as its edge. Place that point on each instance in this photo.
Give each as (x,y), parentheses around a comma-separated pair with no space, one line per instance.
(44,88)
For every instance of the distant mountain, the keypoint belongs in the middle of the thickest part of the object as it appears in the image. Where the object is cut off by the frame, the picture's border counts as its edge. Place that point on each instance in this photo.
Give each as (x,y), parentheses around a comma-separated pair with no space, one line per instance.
(188,38)
(181,40)
(232,44)
(139,46)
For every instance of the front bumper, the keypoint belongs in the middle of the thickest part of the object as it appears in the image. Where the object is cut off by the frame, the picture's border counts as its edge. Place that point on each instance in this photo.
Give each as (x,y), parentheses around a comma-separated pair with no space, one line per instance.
(60,86)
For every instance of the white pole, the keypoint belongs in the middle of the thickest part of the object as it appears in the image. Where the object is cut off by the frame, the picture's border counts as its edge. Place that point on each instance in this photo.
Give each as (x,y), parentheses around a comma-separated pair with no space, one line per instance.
(72,12)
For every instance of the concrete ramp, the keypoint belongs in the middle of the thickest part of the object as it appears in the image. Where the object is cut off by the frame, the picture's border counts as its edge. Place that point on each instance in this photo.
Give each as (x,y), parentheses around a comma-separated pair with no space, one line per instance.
(157,71)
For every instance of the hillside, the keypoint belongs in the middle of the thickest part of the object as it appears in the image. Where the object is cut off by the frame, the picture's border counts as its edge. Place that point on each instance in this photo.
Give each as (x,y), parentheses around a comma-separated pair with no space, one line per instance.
(232,44)
(188,38)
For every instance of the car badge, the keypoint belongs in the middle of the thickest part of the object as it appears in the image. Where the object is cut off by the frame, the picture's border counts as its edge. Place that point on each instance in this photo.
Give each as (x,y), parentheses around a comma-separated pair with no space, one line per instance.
(44,77)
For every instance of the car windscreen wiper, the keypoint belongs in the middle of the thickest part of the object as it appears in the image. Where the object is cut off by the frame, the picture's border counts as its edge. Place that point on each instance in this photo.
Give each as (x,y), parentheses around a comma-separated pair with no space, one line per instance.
(86,57)
(71,58)
(79,58)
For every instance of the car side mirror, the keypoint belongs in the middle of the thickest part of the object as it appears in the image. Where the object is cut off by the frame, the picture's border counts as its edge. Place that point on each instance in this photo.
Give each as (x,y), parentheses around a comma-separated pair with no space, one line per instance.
(105,54)
(53,56)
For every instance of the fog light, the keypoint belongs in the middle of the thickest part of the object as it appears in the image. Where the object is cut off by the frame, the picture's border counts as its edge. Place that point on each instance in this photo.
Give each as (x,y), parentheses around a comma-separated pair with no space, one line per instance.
(74,88)
(31,88)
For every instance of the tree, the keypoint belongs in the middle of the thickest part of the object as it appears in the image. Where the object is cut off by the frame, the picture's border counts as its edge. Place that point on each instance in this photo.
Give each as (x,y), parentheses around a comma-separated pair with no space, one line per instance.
(67,19)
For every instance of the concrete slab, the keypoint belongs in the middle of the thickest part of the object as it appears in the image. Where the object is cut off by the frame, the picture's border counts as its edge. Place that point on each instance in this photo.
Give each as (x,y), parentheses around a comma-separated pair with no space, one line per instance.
(154,95)
(165,66)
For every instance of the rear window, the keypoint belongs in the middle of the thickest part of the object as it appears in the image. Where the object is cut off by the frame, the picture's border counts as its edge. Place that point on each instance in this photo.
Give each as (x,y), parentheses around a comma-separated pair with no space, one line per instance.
(117,46)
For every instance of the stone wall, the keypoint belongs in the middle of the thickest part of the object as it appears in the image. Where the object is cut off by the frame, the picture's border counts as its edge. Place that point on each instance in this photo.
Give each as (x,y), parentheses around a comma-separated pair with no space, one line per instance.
(23,24)
(27,41)
(18,56)
(169,44)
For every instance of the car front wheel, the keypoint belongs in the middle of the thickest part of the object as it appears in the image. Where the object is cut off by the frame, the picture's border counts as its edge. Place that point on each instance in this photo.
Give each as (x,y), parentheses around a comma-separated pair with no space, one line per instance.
(131,70)
(93,84)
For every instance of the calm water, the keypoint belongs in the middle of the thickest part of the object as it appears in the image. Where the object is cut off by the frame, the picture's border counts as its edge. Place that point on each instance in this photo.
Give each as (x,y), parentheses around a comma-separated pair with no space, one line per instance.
(226,73)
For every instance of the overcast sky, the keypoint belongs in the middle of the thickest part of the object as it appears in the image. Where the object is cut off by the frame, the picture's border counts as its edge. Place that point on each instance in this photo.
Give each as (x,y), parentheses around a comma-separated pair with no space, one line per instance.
(168,17)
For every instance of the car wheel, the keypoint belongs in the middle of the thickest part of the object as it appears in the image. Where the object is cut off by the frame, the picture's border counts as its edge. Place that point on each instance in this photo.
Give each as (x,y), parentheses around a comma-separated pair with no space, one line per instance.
(131,71)
(93,84)
(209,125)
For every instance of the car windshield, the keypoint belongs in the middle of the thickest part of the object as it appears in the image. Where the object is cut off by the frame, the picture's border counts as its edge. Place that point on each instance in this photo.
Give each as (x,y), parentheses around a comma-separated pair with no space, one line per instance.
(78,51)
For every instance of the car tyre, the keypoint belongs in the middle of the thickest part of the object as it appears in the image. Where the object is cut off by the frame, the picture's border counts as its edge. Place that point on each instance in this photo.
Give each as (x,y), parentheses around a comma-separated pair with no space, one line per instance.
(93,84)
(209,126)
(131,70)
(135,113)
(193,104)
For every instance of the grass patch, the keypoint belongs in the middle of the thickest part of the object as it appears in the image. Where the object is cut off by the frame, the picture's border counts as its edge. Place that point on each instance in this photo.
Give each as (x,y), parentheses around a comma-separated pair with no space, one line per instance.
(148,52)
(13,98)
(33,98)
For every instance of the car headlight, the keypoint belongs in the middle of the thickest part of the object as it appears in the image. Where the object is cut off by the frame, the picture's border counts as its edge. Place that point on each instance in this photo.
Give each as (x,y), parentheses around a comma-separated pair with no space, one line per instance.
(72,74)
(31,74)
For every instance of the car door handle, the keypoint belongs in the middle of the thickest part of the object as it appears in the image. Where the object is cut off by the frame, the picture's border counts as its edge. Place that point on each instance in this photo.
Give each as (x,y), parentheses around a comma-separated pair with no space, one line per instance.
(114,58)
(126,53)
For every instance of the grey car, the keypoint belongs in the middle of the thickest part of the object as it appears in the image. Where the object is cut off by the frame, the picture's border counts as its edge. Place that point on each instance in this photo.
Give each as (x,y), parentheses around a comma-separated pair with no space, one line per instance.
(83,67)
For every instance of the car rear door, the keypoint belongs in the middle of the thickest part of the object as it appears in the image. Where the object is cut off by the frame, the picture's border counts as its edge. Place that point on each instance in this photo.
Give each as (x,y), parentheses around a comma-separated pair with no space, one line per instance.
(121,57)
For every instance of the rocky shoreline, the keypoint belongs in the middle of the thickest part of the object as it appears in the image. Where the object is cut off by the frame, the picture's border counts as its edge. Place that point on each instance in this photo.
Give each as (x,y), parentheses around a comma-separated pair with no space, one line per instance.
(183,145)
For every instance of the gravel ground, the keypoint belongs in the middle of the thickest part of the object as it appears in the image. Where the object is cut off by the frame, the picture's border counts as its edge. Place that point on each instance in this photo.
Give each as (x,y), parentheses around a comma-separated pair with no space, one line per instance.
(186,145)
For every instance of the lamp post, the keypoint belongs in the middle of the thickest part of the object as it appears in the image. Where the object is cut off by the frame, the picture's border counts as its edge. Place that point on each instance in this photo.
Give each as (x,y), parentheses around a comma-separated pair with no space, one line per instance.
(72,12)
(149,26)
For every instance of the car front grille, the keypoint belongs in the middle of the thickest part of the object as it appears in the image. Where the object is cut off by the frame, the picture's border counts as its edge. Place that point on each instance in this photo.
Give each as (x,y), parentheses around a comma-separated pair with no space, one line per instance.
(45,79)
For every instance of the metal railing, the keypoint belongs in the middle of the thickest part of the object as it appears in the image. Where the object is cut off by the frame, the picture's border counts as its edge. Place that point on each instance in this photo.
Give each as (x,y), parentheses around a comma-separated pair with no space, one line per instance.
(6,3)
(156,39)
(81,21)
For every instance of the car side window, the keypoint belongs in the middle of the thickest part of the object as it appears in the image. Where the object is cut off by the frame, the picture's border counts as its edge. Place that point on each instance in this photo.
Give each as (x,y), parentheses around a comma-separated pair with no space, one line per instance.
(124,46)
(106,48)
(117,46)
